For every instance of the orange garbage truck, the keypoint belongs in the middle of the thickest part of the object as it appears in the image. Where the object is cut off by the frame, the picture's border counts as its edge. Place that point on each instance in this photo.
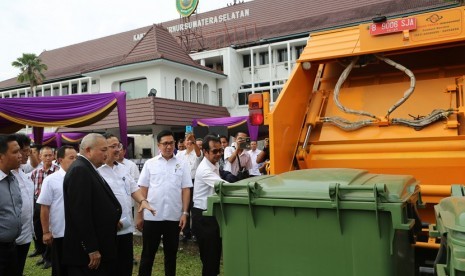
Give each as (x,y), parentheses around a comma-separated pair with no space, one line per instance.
(385,96)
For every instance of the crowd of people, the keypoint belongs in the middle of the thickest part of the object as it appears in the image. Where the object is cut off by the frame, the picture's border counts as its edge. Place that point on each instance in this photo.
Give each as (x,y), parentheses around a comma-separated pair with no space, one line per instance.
(77,204)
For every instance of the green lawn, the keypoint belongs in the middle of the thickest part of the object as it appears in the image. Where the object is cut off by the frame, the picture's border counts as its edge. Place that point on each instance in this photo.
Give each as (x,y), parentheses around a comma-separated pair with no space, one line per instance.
(188,263)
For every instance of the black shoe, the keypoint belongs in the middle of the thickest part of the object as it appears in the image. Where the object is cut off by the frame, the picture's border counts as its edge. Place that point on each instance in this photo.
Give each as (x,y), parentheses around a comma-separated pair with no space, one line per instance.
(40,262)
(33,254)
(47,265)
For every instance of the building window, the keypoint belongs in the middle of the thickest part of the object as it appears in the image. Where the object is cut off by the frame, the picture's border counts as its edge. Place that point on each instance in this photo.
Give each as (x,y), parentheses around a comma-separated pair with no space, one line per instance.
(243,97)
(64,90)
(276,92)
(220,96)
(298,51)
(84,87)
(205,94)
(185,90)
(199,93)
(282,55)
(177,89)
(74,88)
(56,90)
(193,95)
(263,58)
(135,89)
(246,61)
(262,84)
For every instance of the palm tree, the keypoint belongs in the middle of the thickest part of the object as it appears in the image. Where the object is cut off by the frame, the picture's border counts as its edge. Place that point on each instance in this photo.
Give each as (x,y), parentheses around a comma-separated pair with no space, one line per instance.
(31,68)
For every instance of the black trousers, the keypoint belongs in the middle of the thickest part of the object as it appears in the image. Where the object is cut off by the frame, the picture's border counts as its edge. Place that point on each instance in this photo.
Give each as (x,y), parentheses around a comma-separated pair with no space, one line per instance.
(58,269)
(38,242)
(8,258)
(188,228)
(21,253)
(44,250)
(151,236)
(207,231)
(125,255)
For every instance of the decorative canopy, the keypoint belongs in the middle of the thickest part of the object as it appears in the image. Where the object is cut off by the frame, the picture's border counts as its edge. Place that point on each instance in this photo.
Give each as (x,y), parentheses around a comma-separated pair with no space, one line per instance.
(58,111)
(229,122)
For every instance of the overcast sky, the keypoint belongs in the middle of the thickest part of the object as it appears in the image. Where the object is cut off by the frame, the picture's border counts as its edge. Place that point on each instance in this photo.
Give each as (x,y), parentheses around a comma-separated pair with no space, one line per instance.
(31,26)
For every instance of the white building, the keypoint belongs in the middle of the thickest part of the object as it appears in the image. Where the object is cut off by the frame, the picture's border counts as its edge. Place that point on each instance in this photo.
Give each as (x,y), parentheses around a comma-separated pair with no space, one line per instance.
(204,66)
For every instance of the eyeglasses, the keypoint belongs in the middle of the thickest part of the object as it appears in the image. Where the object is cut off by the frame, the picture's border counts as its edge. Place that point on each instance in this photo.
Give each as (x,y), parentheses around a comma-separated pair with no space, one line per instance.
(216,151)
(165,144)
(118,146)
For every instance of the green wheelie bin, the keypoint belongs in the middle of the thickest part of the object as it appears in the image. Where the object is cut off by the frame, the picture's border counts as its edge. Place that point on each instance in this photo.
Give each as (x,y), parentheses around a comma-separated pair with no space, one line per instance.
(318,222)
(450,226)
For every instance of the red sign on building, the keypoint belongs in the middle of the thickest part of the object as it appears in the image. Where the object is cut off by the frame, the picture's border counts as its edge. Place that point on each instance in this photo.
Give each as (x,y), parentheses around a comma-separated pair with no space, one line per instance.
(393,26)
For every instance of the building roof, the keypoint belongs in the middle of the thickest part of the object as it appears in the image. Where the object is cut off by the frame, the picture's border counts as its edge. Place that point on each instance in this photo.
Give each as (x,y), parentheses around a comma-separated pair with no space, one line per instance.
(156,43)
(240,25)
(261,20)
(116,50)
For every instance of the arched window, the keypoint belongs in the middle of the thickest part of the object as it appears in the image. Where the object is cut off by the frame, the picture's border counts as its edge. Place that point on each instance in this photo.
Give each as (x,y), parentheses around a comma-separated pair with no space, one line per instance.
(205,94)
(185,90)
(193,95)
(177,89)
(199,93)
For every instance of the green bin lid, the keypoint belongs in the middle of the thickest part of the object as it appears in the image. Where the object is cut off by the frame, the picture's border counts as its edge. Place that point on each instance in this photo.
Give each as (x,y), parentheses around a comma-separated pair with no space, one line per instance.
(321,184)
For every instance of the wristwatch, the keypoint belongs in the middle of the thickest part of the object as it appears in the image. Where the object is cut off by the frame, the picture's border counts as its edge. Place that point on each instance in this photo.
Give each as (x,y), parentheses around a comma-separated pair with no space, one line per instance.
(185,213)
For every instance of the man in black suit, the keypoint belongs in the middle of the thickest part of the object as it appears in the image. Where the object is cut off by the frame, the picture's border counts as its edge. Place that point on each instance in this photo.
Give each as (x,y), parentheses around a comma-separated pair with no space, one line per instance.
(92,213)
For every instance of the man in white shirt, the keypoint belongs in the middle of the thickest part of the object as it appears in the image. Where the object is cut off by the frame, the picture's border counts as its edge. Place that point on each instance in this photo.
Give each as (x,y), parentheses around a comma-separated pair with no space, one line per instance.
(125,188)
(131,166)
(235,154)
(37,176)
(33,160)
(26,187)
(224,144)
(253,152)
(192,156)
(52,212)
(207,228)
(165,180)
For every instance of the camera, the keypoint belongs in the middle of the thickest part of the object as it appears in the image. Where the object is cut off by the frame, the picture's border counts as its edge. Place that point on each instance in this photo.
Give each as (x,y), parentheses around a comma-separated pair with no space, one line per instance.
(245,143)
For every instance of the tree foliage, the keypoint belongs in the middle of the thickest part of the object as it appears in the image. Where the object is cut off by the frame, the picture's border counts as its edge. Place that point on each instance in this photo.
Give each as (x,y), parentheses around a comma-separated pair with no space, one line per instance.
(31,69)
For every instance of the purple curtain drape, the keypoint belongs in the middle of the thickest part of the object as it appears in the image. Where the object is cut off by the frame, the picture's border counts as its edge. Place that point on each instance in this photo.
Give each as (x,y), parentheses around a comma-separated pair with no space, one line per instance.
(228,122)
(56,139)
(55,111)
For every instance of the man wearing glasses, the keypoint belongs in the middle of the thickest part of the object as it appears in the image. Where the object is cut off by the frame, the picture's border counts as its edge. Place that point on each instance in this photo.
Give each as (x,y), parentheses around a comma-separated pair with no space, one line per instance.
(207,228)
(165,181)
(125,189)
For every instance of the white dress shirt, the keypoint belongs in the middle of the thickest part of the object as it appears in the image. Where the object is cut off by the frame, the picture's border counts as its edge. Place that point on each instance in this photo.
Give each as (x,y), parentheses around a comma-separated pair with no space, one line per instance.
(165,180)
(205,178)
(122,185)
(27,209)
(26,168)
(132,168)
(192,160)
(52,195)
(234,166)
(253,158)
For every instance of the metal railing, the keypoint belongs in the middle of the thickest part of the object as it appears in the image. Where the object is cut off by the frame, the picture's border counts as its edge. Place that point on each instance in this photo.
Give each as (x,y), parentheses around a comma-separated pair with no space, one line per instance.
(68,87)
